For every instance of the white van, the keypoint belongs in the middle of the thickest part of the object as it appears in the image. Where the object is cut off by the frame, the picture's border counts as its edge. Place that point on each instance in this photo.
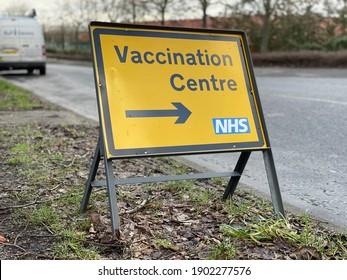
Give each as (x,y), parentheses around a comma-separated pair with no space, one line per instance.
(22,44)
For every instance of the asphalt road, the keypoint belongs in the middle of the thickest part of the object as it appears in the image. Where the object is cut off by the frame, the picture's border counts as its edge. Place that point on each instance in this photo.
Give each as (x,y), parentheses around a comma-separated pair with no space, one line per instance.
(306,116)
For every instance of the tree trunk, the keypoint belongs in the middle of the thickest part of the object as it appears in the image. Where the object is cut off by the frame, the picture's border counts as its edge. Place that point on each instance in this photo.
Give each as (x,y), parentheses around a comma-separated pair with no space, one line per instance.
(163,17)
(204,20)
(76,38)
(63,38)
(265,35)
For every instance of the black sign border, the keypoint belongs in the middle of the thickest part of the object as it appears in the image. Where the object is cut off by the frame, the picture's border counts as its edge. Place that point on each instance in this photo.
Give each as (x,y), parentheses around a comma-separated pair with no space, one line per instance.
(195,34)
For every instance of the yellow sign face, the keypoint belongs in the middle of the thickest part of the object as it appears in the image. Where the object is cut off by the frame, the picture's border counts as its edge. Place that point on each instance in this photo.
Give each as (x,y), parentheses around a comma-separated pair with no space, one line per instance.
(174,91)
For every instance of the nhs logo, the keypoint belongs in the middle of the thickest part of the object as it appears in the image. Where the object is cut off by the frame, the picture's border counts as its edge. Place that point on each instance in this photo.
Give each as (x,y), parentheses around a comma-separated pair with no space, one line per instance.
(231,125)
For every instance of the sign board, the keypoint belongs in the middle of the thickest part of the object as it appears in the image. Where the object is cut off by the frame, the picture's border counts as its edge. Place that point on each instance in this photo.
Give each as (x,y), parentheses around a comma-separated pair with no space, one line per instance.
(164,91)
(169,91)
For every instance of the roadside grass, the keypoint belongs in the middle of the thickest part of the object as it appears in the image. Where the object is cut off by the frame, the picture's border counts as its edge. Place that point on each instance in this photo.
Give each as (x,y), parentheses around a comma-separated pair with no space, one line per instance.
(43,175)
(56,196)
(306,241)
(48,189)
(13,98)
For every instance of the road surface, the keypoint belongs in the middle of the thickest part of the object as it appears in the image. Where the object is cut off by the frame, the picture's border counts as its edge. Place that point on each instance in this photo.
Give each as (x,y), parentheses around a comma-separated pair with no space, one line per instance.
(306,116)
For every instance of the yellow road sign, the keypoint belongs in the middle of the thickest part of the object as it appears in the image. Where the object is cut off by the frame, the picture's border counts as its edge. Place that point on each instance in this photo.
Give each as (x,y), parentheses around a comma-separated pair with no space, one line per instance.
(174,91)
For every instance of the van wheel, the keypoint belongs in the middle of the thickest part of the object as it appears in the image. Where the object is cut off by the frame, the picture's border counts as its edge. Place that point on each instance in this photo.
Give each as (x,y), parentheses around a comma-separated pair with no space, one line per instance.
(43,70)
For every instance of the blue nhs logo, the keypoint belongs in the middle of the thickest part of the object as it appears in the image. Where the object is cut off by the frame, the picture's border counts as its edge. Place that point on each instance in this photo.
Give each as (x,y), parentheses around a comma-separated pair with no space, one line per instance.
(231,125)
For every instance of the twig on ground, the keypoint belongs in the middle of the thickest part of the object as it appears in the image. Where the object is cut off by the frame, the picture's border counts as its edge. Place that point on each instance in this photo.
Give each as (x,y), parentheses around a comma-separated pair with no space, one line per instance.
(48,229)
(20,206)
(15,245)
(137,208)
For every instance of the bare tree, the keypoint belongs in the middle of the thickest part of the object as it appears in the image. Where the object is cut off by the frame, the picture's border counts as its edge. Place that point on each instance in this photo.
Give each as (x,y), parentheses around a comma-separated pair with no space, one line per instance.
(123,10)
(265,9)
(160,6)
(343,16)
(269,7)
(135,10)
(115,10)
(171,9)
(17,8)
(79,12)
(204,5)
(63,14)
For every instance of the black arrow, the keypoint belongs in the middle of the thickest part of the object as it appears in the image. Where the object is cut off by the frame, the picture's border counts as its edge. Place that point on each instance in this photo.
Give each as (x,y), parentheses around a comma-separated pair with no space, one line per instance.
(181,112)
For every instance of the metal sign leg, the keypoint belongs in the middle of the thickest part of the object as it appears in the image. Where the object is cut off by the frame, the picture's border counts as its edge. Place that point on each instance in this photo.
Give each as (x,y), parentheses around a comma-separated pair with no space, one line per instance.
(112,196)
(229,191)
(110,184)
(240,166)
(273,183)
(91,177)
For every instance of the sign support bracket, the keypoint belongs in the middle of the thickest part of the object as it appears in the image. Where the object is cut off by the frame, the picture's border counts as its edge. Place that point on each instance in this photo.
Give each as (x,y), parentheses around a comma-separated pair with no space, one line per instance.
(111,182)
(240,166)
(273,182)
(91,178)
(271,176)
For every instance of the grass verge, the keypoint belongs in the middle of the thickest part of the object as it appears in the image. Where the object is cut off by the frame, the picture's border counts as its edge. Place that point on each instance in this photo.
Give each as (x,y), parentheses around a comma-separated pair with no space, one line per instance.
(42,176)
(15,98)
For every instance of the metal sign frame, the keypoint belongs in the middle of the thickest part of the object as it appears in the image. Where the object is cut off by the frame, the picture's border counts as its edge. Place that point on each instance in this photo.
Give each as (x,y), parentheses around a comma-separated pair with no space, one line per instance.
(107,151)
(106,108)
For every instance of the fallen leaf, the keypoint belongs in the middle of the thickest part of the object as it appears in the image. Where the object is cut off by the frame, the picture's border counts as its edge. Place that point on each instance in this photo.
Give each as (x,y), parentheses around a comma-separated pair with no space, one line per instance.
(168,228)
(182,218)
(2,239)
(306,253)
(92,229)
(325,244)
(95,218)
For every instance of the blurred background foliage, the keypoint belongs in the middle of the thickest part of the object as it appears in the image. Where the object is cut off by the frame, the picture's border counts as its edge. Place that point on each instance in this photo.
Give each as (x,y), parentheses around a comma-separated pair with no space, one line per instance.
(271,25)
